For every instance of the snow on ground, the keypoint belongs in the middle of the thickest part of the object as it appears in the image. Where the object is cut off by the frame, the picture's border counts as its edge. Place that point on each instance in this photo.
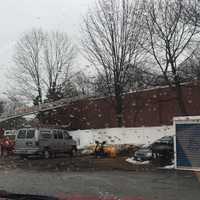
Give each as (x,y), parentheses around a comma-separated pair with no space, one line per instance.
(132,161)
(172,166)
(168,167)
(136,136)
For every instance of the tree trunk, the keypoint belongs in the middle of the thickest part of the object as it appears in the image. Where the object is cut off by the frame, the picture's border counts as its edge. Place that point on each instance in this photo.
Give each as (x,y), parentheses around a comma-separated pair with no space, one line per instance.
(119,110)
(39,95)
(180,100)
(179,95)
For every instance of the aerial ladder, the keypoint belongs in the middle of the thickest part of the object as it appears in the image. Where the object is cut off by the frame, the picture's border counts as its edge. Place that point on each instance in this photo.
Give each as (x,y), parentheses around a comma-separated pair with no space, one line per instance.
(24,111)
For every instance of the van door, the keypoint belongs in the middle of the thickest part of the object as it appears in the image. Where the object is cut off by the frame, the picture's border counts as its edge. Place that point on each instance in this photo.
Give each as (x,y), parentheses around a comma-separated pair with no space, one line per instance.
(46,139)
(55,141)
(61,141)
(31,138)
(21,139)
(67,141)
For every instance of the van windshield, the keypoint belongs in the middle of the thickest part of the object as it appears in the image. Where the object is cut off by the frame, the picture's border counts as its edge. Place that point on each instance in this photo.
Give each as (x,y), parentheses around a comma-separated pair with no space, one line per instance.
(21,134)
(30,134)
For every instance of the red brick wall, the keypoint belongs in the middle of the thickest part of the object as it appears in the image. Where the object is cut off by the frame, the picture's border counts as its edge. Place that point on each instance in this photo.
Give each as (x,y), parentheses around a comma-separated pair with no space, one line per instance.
(153,107)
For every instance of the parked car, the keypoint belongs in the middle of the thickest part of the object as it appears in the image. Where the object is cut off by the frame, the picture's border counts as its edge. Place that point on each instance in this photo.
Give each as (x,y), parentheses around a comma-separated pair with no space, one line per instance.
(46,142)
(144,153)
(163,147)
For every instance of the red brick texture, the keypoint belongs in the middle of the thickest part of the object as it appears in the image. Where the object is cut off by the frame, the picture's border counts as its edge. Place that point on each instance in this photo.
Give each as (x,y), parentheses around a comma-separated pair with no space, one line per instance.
(153,107)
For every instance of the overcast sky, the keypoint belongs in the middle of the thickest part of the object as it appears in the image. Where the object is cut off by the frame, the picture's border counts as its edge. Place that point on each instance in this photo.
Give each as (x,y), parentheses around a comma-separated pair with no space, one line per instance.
(19,16)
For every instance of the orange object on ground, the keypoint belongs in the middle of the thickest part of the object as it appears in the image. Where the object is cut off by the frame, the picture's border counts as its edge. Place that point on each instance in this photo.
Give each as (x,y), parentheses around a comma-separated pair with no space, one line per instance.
(111,151)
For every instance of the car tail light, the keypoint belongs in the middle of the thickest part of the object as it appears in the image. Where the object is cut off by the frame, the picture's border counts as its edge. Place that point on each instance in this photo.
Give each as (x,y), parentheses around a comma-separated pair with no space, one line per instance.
(37,143)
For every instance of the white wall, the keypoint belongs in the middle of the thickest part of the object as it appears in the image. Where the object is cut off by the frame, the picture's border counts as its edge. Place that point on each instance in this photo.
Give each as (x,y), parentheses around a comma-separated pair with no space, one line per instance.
(141,135)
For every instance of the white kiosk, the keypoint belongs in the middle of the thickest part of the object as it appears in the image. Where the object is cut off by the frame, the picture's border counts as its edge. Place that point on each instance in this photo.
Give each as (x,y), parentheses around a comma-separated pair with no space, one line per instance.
(187,143)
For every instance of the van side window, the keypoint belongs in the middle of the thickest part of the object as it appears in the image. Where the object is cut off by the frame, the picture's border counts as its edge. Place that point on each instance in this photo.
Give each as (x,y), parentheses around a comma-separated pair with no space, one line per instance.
(21,134)
(60,135)
(30,134)
(46,134)
(55,134)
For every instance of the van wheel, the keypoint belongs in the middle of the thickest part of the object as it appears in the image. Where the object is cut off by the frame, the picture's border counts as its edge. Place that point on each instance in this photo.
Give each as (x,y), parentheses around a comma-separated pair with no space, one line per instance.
(73,152)
(46,154)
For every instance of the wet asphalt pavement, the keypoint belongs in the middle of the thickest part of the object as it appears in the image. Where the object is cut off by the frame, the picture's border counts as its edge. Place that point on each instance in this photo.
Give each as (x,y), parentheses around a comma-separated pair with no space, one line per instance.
(158,185)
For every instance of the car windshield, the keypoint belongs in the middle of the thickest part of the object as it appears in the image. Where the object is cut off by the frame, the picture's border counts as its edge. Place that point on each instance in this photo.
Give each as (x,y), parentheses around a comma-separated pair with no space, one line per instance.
(146,146)
(166,139)
(100,99)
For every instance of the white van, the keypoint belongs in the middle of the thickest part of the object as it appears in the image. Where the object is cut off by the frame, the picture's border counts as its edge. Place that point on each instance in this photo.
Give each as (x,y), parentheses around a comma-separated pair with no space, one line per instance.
(44,141)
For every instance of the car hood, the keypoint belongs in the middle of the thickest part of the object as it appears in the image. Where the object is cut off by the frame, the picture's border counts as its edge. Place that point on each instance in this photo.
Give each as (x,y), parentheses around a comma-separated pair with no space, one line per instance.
(144,150)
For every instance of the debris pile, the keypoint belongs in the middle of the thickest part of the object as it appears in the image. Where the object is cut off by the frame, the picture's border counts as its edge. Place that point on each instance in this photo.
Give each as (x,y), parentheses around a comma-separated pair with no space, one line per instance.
(112,150)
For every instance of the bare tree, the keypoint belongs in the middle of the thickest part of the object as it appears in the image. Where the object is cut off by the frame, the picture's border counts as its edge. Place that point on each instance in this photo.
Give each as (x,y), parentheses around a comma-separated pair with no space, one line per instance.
(192,11)
(138,78)
(43,62)
(170,33)
(13,102)
(189,70)
(100,87)
(113,34)
(83,83)
(8,106)
(70,90)
(59,54)
(27,58)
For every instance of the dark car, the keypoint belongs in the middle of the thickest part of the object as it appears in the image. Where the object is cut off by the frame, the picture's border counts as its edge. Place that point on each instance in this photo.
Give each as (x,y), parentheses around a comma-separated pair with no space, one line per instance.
(163,147)
(144,153)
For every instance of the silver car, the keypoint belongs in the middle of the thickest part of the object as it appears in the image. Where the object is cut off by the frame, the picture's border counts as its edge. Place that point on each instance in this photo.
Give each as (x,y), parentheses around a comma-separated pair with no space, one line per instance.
(44,141)
(144,153)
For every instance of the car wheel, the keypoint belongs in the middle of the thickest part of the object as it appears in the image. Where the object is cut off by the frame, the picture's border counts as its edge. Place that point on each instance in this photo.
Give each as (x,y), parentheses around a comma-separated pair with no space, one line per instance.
(47,154)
